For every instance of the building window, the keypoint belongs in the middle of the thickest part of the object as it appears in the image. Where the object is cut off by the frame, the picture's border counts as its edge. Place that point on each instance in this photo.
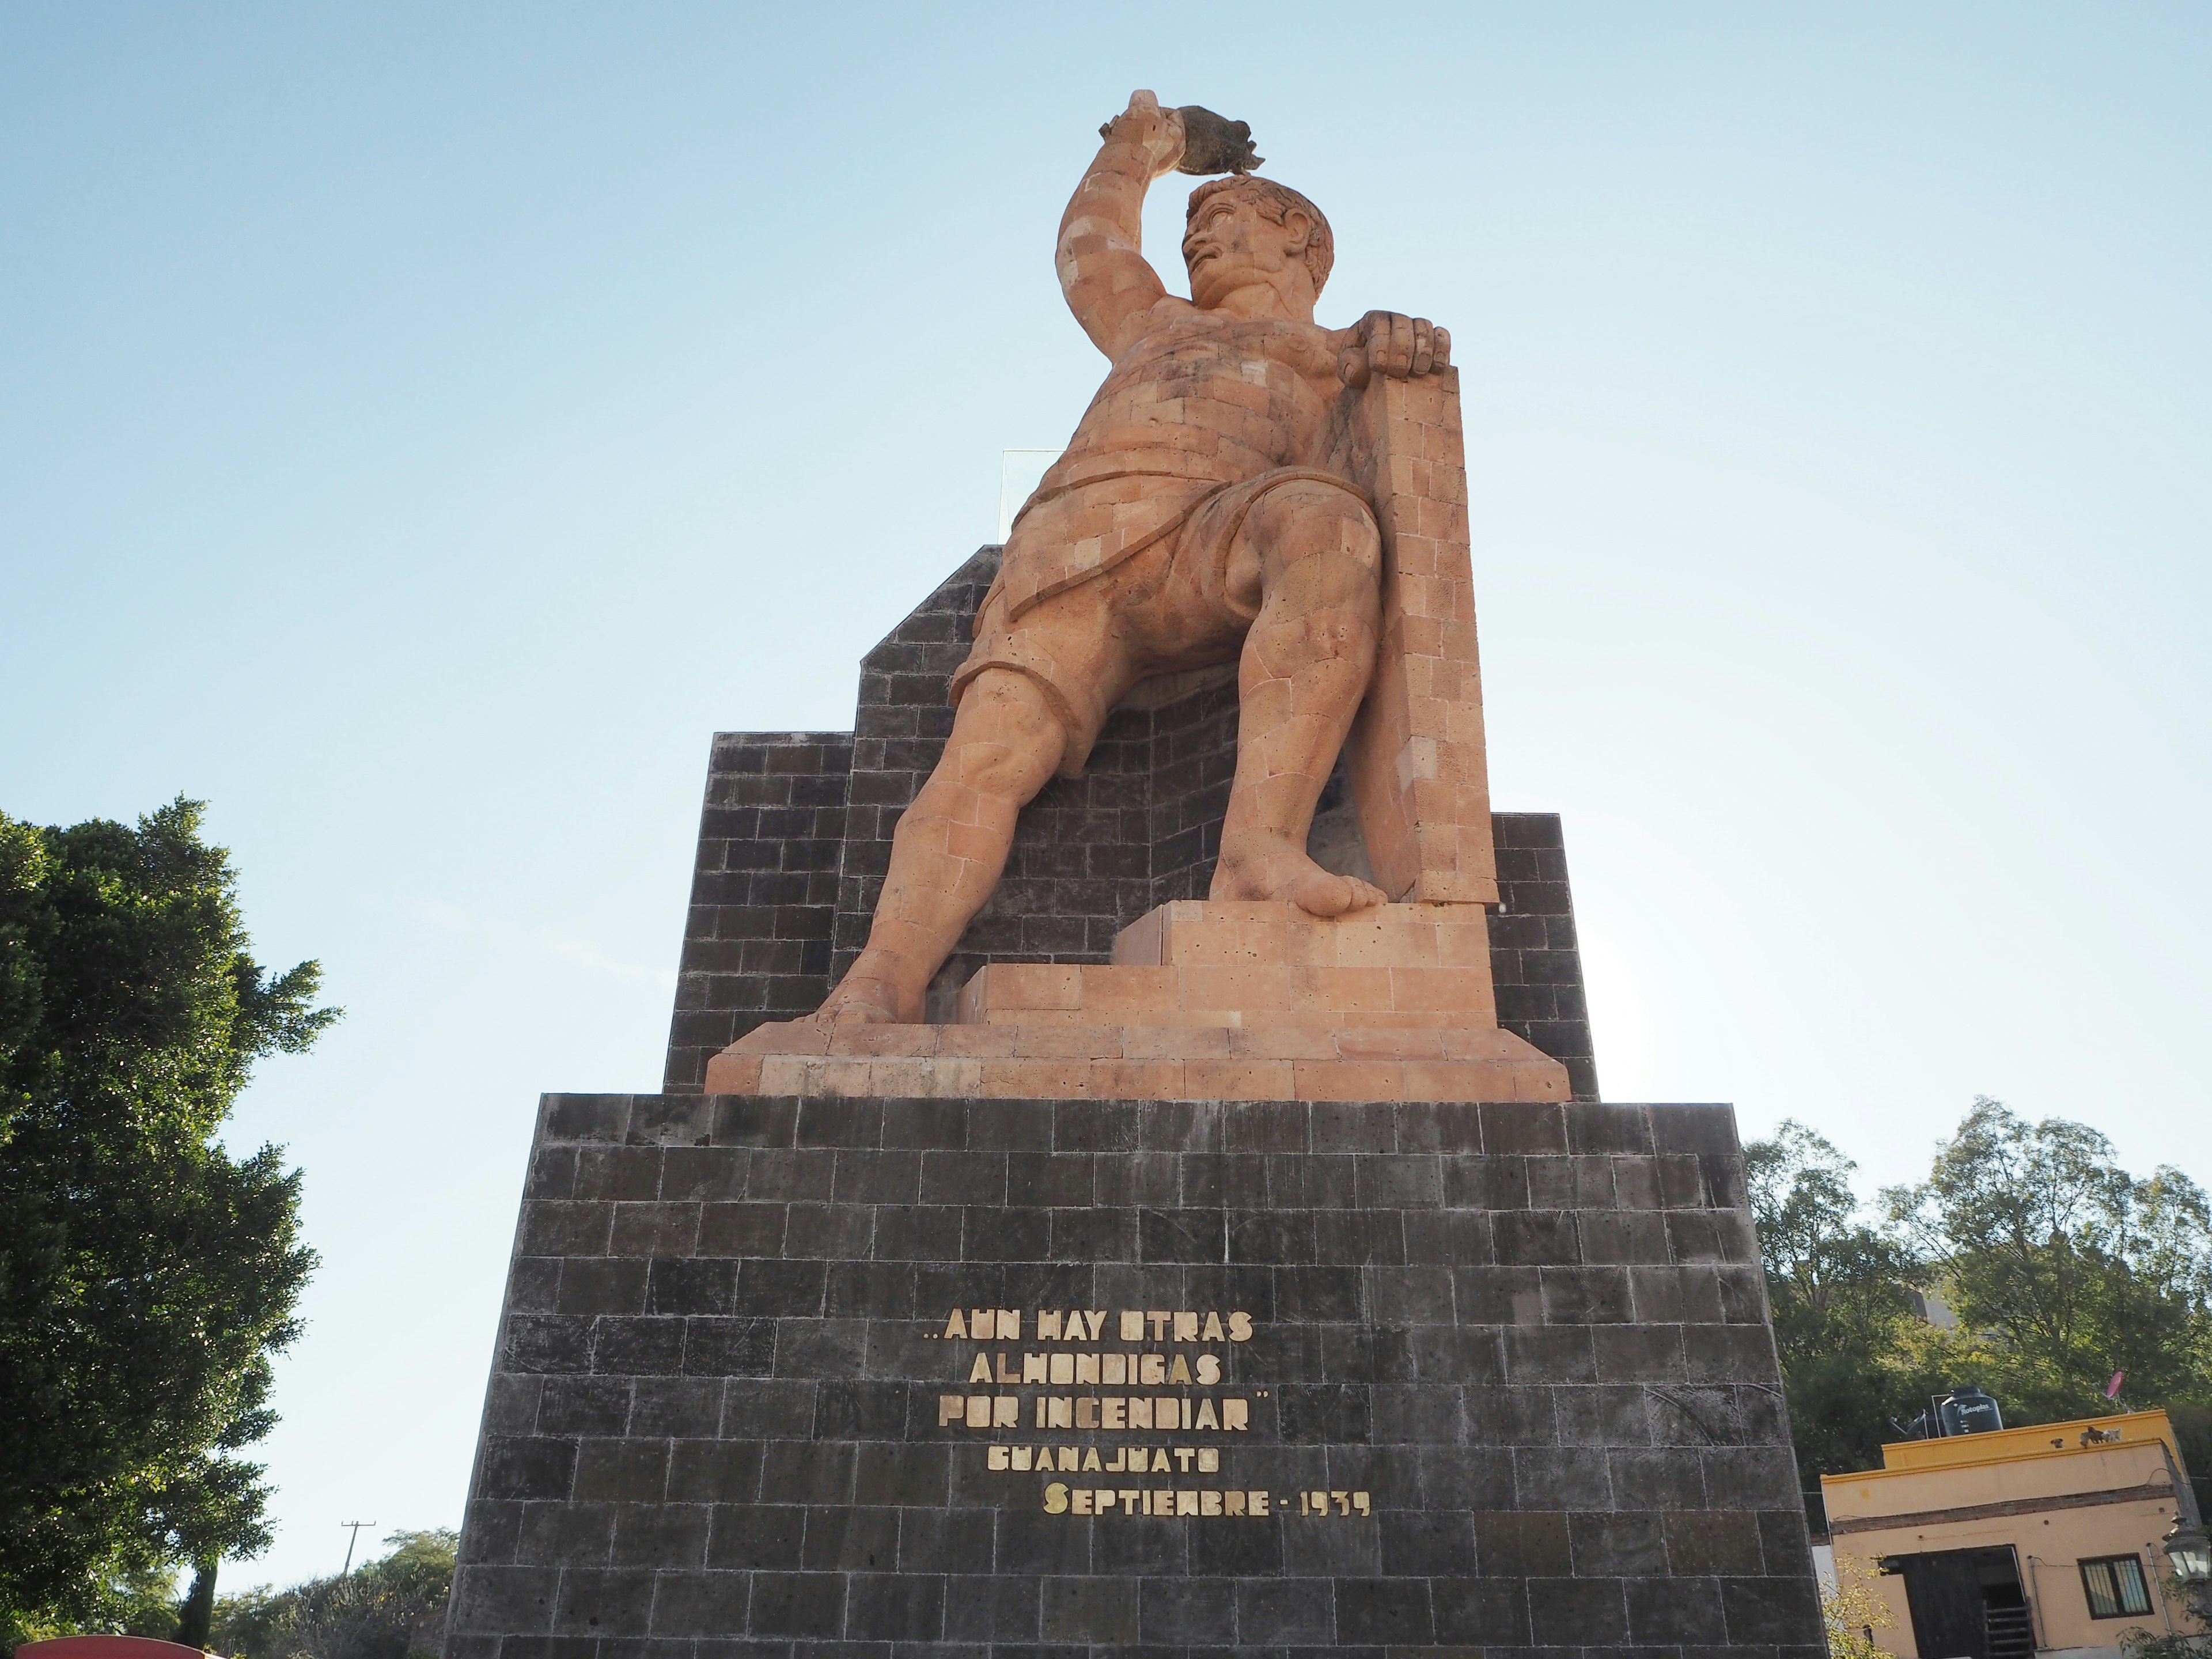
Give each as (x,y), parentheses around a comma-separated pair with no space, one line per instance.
(2116,1587)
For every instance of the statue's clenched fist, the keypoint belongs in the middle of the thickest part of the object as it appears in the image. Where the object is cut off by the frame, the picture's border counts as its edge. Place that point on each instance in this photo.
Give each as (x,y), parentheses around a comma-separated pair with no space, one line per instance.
(1158,132)
(1398,348)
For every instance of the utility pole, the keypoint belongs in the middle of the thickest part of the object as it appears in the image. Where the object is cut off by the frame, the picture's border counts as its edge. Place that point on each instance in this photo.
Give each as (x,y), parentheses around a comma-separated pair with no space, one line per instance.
(356,1526)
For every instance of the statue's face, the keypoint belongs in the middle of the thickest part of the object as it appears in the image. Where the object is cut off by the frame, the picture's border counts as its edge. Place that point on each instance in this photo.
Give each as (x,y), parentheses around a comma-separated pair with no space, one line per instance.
(1232,245)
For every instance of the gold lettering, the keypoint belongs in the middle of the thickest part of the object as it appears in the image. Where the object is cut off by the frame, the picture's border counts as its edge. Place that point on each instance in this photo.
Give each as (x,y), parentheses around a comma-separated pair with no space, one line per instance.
(1232,1503)
(1207,1419)
(1212,1333)
(1159,1321)
(979,1411)
(950,1409)
(1047,1325)
(1056,1498)
(1141,1411)
(1152,1370)
(982,1324)
(1160,1461)
(1240,1327)
(1006,1411)
(1087,1413)
(1063,1370)
(1114,1370)
(1116,1466)
(1097,1317)
(1022,1455)
(1209,1459)
(1209,1369)
(1115,1415)
(1132,1324)
(1186,1501)
(1086,1370)
(1081,1498)
(1186,1327)
(981,1370)
(1009,1325)
(1259,1502)
(1089,1460)
(1209,1502)
(1005,1379)
(1058,1413)
(1033,1367)
(1179,1372)
(1128,1500)
(994,1457)
(955,1326)
(1183,1458)
(1236,1415)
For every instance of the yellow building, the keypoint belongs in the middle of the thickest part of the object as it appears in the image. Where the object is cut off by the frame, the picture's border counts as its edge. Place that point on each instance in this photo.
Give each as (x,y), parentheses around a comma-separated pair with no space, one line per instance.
(2043,1540)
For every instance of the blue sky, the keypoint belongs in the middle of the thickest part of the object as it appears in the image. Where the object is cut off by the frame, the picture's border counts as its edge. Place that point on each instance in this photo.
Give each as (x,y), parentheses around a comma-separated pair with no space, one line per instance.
(421,427)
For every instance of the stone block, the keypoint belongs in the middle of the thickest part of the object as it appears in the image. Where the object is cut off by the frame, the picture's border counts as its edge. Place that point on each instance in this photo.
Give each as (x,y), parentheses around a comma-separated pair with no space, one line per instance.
(1475,1423)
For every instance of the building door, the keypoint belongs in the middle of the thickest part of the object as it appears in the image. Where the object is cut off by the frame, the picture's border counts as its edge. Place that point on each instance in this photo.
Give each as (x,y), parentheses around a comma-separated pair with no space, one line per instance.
(1967,1604)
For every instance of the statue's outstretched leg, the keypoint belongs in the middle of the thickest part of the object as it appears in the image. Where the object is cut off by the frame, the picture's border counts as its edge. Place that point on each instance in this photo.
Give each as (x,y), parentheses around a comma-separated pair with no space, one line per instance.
(950,845)
(1304,668)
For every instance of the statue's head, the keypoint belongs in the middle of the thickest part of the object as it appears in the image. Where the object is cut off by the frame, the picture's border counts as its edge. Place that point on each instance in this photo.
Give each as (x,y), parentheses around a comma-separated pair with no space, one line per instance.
(1242,230)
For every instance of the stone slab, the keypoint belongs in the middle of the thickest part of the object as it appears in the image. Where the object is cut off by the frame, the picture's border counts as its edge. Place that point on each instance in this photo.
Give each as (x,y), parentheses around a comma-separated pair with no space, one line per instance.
(1420,766)
(1532,1337)
(1211,934)
(1077,1060)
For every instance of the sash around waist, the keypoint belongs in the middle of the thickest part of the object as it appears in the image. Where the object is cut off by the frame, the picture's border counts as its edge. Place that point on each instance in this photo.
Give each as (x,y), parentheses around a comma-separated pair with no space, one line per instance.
(1074,539)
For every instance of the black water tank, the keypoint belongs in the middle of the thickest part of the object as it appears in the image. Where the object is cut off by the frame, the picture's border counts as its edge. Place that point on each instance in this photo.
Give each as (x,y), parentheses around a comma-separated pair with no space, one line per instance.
(1971,1412)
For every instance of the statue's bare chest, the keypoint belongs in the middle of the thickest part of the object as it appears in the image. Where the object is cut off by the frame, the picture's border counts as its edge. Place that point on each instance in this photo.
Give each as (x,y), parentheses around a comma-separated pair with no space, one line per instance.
(1264,385)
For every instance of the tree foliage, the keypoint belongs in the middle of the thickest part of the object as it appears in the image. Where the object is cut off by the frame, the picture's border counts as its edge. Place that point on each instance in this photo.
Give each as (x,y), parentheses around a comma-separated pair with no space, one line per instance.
(1840,1290)
(2067,1267)
(388,1609)
(146,1274)
(2061,1266)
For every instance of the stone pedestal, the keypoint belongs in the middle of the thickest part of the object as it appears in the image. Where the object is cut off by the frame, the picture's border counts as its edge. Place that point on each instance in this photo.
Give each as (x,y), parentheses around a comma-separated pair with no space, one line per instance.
(799,1377)
(1201,1000)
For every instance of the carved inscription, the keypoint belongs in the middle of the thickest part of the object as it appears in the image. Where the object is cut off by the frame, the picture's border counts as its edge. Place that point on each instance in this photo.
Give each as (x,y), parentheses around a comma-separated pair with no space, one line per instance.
(1178,1357)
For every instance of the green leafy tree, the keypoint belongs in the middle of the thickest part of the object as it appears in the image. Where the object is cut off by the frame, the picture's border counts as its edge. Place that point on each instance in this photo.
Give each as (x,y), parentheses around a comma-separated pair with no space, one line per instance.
(392,1608)
(2064,1268)
(146,1275)
(1845,1324)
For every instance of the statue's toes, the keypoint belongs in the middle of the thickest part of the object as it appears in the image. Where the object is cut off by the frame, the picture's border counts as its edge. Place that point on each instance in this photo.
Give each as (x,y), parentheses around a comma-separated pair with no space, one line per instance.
(1318,893)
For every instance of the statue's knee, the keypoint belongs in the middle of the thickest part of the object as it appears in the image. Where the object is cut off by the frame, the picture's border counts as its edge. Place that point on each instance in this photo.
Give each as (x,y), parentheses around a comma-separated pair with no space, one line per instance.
(1010,734)
(1306,520)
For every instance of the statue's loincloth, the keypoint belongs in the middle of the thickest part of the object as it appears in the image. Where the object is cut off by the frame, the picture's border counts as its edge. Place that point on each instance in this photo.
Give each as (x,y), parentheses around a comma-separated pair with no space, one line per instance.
(1151,586)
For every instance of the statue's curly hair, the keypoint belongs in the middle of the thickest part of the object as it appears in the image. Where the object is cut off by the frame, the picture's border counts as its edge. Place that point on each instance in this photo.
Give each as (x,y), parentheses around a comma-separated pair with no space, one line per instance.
(1275,203)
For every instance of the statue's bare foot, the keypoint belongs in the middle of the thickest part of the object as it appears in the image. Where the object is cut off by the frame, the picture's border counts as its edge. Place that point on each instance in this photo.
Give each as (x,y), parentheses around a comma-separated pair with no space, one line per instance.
(1283,873)
(858,1001)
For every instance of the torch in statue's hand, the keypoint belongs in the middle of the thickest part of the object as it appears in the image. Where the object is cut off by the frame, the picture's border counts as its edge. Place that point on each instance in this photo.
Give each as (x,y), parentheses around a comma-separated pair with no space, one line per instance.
(1214,144)
(1209,142)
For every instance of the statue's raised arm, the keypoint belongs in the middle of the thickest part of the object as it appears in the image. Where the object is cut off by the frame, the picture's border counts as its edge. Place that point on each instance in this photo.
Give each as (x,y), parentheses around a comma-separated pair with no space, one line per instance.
(1103,270)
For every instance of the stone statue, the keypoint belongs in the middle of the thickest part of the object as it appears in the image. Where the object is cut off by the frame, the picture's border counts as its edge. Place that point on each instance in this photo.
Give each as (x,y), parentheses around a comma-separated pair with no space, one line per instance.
(1196,518)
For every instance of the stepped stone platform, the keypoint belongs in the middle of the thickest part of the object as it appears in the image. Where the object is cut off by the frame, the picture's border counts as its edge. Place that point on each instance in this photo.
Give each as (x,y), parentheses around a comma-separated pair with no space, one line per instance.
(785,1378)
(1200,1000)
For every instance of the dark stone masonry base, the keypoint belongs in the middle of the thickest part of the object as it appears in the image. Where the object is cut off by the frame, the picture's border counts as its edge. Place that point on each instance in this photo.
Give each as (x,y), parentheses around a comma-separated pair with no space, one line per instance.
(1529,1340)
